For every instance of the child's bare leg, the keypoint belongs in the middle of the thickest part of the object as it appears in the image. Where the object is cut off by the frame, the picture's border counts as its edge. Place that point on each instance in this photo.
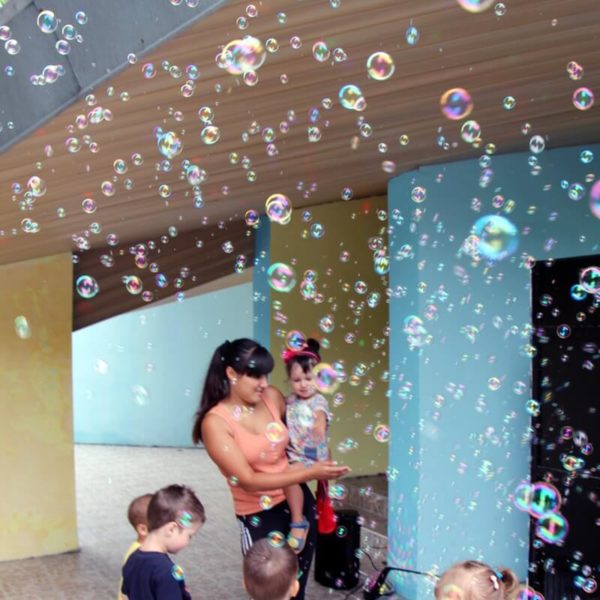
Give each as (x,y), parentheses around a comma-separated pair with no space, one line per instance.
(295,500)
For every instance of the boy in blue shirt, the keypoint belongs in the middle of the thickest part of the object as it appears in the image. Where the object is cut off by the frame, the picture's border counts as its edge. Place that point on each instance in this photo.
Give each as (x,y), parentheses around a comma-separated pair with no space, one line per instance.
(174,516)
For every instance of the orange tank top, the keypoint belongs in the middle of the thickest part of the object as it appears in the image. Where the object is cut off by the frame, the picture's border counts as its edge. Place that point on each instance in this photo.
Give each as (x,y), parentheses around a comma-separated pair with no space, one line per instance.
(265,453)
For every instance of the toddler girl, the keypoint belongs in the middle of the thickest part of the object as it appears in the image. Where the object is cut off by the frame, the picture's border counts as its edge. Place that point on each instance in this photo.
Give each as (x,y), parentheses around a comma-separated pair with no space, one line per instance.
(473,580)
(307,419)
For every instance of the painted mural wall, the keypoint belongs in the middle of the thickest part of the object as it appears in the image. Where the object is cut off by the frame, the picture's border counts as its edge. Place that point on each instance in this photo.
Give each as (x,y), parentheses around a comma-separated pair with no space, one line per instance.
(333,287)
(37,503)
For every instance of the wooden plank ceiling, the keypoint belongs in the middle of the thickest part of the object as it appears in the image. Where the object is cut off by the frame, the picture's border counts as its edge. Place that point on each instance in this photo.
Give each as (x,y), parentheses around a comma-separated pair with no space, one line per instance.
(523,53)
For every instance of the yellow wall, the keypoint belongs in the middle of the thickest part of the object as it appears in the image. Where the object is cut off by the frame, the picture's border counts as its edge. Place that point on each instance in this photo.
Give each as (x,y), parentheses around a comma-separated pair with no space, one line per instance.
(37,498)
(348,227)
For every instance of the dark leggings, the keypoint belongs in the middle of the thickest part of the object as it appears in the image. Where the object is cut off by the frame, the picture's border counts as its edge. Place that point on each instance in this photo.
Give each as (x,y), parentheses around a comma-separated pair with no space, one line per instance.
(278,519)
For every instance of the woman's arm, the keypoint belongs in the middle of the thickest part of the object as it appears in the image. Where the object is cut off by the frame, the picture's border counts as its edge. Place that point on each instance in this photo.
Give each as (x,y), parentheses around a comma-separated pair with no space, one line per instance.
(223,450)
(277,398)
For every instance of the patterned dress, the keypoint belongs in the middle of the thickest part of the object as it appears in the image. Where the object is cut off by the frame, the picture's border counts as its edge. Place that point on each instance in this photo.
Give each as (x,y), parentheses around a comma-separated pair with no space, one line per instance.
(301,416)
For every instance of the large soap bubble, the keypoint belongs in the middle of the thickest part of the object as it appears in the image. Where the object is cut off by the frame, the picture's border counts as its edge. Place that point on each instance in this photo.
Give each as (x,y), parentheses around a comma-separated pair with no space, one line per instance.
(496,237)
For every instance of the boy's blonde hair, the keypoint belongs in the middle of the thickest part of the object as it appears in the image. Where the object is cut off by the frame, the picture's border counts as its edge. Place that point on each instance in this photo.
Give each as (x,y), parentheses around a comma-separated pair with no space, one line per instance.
(473,580)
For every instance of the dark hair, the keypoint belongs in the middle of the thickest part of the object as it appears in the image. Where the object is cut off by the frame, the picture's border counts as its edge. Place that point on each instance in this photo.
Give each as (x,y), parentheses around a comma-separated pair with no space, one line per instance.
(245,357)
(137,513)
(269,571)
(175,503)
(306,357)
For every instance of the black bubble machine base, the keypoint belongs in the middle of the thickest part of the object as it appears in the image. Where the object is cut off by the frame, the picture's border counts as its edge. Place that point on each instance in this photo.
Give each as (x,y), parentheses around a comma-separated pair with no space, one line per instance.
(337,558)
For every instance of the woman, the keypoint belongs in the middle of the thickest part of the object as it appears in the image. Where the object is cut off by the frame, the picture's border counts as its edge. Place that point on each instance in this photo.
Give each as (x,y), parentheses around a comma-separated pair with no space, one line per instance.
(240,423)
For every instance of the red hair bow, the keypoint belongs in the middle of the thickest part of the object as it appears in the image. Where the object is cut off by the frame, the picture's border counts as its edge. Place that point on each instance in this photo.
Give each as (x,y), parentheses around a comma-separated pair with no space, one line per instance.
(289,354)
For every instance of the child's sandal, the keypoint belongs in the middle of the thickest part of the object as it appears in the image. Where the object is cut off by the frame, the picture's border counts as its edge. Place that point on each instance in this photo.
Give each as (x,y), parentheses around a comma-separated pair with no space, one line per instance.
(297,543)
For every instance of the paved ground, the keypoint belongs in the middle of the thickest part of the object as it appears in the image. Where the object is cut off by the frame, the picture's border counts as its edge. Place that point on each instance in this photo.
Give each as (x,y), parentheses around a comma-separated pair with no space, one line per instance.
(107,478)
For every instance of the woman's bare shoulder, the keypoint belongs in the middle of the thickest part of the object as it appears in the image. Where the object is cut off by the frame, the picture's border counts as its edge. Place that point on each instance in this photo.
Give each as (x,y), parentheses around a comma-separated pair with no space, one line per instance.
(275,396)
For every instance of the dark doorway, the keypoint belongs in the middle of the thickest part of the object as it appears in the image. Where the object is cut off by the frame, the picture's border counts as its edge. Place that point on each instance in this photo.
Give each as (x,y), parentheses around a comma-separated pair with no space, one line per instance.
(565,410)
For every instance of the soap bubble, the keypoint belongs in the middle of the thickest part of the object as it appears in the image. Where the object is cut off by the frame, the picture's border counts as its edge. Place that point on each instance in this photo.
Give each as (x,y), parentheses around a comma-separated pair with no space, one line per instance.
(496,237)
(537,144)
(12,47)
(418,194)
(476,6)
(81,17)
(279,209)
(470,131)
(281,277)
(576,191)
(133,284)
(210,135)
(522,497)
(275,432)
(320,51)
(252,217)
(88,205)
(22,328)
(325,378)
(140,395)
(578,293)
(528,593)
(411,36)
(178,573)
(456,104)
(194,175)
(265,502)
(380,66)
(149,71)
(552,528)
(382,433)
(595,199)
(589,280)
(415,331)
(276,539)
(47,21)
(169,145)
(544,499)
(63,47)
(583,98)
(87,287)
(295,340)
(36,186)
(351,98)
(241,56)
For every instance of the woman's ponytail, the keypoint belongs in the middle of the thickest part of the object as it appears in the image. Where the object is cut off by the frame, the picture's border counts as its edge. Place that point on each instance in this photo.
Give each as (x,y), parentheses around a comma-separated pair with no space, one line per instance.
(216,387)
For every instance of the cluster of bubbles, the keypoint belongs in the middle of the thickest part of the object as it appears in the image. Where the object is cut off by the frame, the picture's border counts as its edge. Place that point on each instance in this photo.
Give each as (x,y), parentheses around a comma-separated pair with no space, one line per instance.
(243,57)
(416,332)
(278,208)
(542,501)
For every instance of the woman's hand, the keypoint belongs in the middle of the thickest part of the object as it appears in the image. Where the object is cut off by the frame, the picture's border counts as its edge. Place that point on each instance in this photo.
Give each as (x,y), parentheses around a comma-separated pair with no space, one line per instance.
(328,469)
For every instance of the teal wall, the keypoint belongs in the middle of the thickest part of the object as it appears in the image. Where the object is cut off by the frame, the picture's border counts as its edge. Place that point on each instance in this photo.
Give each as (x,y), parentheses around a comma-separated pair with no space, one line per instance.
(458,448)
(137,377)
(262,291)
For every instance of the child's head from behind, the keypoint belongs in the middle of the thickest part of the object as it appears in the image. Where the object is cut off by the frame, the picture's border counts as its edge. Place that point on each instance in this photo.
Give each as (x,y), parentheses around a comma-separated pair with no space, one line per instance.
(175,514)
(299,365)
(270,572)
(473,580)
(137,514)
